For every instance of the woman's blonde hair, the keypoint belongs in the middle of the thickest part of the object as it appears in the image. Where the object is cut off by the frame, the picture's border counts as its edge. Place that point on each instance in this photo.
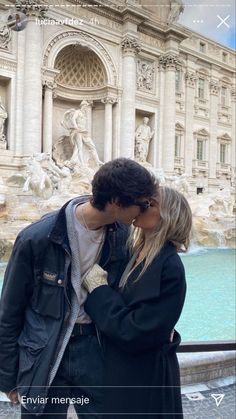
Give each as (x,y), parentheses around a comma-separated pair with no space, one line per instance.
(174,225)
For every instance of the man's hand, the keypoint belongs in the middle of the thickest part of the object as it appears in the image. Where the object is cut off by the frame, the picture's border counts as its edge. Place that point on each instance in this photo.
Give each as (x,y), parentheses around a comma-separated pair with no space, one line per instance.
(95,278)
(13,396)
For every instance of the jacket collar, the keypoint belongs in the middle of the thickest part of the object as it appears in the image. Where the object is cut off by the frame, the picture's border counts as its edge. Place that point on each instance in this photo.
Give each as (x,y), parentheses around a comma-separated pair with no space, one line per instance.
(58,233)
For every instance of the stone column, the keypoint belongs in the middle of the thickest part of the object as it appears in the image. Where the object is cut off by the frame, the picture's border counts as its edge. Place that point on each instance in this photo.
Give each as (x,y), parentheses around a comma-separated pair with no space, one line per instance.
(90,117)
(19,95)
(160,135)
(49,86)
(213,146)
(116,113)
(233,105)
(108,128)
(32,111)
(190,79)
(169,63)
(130,48)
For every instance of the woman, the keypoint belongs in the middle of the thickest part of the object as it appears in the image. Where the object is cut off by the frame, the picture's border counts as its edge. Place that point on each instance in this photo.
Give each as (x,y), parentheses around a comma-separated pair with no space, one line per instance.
(138,317)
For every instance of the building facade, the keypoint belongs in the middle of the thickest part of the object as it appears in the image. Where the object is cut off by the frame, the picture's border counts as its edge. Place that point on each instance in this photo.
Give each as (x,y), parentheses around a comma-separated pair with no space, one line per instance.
(128,60)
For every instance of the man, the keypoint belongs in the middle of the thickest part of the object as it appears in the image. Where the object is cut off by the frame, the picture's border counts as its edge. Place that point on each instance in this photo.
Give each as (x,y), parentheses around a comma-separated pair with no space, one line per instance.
(50,350)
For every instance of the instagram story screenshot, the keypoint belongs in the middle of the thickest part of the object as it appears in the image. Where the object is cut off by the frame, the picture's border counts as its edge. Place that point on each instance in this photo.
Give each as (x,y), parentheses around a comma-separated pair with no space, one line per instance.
(117,209)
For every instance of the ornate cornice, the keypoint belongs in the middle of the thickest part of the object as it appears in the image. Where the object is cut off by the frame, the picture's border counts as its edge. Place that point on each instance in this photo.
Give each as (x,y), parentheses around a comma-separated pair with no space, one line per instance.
(170,62)
(31,7)
(130,45)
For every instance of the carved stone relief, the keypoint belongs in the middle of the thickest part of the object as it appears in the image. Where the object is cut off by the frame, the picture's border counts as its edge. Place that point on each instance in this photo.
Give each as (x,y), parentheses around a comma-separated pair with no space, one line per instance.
(176,8)
(145,75)
(5,37)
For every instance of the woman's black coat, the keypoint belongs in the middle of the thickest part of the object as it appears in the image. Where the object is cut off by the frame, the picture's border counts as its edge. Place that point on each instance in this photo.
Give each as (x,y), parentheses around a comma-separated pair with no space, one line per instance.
(136,323)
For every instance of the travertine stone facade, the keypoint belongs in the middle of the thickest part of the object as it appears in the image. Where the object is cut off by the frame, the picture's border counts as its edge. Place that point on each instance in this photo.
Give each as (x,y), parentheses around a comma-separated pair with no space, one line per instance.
(128,60)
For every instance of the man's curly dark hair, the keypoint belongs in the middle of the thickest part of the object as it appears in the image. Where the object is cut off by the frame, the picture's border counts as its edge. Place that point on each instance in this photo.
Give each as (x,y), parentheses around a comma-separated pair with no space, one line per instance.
(124,180)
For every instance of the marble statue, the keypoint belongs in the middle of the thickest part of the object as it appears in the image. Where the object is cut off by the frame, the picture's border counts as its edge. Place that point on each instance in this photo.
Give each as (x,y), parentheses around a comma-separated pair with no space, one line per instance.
(38,180)
(180,183)
(60,177)
(3,117)
(222,202)
(143,136)
(176,7)
(5,36)
(3,189)
(160,175)
(83,147)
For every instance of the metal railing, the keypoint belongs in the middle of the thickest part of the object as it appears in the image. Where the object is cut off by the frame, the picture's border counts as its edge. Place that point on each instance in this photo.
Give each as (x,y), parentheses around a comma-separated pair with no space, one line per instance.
(221,345)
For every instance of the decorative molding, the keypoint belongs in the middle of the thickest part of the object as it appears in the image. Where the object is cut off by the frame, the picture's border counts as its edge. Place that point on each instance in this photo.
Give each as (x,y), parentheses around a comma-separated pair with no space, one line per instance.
(131,45)
(190,78)
(50,84)
(202,132)
(179,127)
(224,138)
(214,87)
(110,100)
(170,62)
(83,39)
(8,65)
(233,94)
(224,116)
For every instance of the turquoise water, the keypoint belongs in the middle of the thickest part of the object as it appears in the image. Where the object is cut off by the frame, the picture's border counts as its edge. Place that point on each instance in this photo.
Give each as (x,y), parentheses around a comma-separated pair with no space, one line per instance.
(209,310)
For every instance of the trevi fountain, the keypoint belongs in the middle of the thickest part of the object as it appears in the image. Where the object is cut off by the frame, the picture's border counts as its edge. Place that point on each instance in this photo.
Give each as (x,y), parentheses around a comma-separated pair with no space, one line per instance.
(49,181)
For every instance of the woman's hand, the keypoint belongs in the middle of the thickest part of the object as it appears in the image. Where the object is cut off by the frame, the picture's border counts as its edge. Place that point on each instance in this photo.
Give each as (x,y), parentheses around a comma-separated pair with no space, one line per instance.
(95,278)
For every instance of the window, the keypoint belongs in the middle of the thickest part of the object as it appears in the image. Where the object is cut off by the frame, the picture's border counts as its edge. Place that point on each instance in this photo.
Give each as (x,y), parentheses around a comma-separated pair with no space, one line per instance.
(199,191)
(201,88)
(199,149)
(178,81)
(202,47)
(223,153)
(224,96)
(177,145)
(225,57)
